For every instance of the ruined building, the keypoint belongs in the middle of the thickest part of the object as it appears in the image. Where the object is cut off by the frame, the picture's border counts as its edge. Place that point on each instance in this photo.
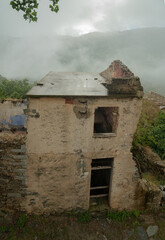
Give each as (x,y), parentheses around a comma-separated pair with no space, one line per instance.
(79,135)
(80,128)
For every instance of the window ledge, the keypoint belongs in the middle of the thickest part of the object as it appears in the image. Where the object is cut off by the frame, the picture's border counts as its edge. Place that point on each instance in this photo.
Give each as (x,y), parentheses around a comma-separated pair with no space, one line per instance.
(104,135)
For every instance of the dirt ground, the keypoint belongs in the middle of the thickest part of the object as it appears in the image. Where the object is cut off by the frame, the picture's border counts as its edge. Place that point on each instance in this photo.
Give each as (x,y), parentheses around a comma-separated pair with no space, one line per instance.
(84,226)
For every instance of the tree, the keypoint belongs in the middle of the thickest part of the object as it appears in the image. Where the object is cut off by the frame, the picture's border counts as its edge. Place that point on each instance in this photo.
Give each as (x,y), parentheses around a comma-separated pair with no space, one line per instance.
(14,88)
(29,7)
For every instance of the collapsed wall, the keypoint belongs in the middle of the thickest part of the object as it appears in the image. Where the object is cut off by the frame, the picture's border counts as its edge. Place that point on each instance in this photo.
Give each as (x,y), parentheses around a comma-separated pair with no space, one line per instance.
(12,153)
(12,170)
(12,115)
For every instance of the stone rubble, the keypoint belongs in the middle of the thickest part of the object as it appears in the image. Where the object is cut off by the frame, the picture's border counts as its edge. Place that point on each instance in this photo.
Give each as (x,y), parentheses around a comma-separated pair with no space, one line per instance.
(152,230)
(142,233)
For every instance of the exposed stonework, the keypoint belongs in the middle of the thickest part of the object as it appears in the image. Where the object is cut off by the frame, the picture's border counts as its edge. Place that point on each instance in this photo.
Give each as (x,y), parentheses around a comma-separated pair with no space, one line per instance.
(12,170)
(12,115)
(148,195)
(150,161)
(116,70)
(120,80)
(81,108)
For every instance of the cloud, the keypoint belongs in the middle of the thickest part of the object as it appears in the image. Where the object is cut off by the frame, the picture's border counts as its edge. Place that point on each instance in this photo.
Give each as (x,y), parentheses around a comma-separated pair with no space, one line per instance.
(36,48)
(133,14)
(78,17)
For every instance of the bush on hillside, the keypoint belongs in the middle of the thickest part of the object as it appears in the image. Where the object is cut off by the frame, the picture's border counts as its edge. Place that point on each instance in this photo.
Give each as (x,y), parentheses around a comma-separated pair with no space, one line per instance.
(157,135)
(151,129)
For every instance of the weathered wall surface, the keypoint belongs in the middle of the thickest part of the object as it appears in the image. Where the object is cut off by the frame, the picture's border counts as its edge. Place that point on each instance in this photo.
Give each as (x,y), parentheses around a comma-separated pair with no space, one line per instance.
(150,161)
(12,114)
(12,170)
(61,145)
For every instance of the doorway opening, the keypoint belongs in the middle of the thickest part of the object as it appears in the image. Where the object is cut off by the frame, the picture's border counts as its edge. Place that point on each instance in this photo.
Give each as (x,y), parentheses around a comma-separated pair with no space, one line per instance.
(101,173)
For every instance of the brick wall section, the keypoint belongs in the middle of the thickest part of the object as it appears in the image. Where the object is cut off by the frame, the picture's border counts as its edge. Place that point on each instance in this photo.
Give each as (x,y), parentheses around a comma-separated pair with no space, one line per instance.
(12,170)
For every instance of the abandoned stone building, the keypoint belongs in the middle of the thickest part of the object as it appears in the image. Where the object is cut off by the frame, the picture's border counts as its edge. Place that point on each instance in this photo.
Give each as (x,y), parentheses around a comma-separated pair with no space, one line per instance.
(80,128)
(79,135)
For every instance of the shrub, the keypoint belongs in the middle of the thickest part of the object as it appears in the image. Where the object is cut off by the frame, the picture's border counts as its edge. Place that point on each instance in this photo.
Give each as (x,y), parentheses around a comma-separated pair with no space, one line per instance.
(122,215)
(157,136)
(151,129)
(14,88)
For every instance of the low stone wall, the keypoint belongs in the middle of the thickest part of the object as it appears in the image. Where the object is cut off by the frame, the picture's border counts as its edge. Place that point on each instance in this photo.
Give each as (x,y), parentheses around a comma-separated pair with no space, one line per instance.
(12,170)
(12,116)
(150,161)
(148,195)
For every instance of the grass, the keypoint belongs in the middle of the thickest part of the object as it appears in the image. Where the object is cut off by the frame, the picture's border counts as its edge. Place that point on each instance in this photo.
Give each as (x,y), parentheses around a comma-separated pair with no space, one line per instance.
(153,178)
(22,220)
(113,225)
(122,215)
(84,217)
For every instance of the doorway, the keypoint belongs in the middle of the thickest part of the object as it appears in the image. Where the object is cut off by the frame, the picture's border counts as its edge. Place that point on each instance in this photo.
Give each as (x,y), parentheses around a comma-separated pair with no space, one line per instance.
(101,174)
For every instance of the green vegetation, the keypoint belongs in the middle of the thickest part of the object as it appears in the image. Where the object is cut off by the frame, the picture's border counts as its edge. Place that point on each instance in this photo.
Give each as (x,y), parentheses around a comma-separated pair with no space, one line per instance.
(117,225)
(29,8)
(122,215)
(22,220)
(157,135)
(84,217)
(3,229)
(149,176)
(151,129)
(14,88)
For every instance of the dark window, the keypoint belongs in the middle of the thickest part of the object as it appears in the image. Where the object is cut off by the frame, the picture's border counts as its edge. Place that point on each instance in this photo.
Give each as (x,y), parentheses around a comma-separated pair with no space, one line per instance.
(106,119)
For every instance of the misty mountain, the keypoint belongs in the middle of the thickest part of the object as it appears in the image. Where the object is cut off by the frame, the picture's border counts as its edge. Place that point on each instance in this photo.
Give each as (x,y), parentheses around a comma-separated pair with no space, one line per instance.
(1,78)
(142,50)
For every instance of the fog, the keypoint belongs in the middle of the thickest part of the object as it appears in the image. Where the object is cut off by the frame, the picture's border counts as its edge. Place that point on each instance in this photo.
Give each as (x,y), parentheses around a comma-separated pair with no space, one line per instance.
(132,31)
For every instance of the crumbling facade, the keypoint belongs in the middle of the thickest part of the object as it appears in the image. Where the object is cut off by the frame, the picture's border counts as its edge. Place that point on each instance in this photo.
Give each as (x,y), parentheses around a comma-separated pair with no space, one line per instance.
(77,145)
(80,128)
(12,116)
(12,153)
(13,161)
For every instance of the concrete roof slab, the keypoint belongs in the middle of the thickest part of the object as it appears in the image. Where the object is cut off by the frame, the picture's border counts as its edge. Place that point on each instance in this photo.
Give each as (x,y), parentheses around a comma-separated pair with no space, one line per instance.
(70,84)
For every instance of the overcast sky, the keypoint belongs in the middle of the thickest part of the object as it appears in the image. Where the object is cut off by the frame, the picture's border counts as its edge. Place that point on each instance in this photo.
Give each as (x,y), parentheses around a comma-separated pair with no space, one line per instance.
(31,50)
(77,17)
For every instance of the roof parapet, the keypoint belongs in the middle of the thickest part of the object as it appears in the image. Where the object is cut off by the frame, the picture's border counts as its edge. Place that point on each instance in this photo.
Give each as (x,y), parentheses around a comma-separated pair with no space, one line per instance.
(120,80)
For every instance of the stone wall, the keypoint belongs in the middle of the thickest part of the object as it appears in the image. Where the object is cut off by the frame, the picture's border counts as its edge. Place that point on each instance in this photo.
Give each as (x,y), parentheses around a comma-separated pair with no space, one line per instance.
(12,115)
(61,145)
(54,173)
(12,170)
(150,161)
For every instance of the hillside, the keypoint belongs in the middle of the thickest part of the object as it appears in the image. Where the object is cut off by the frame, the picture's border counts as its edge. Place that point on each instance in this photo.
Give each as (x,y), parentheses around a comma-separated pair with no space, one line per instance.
(141,50)
(1,78)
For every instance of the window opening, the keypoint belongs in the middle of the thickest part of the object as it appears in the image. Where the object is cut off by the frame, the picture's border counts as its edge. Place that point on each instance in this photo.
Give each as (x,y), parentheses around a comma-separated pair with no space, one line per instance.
(105,120)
